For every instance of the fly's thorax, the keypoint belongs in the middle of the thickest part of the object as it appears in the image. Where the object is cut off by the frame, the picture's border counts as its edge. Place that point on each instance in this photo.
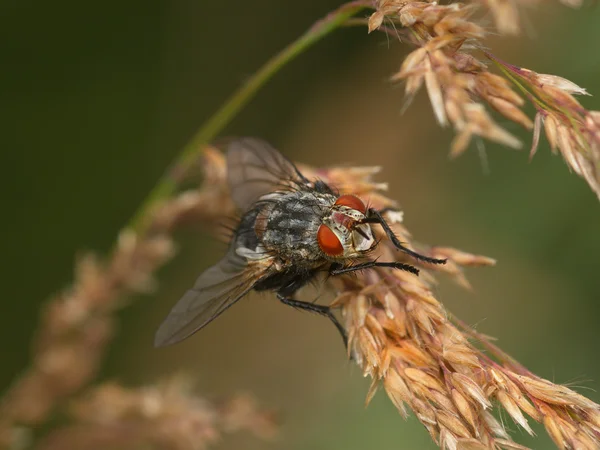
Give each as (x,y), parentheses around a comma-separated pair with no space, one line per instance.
(287,225)
(355,238)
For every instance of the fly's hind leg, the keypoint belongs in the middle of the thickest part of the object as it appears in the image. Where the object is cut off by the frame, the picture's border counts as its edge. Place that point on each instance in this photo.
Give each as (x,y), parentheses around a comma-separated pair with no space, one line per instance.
(319,309)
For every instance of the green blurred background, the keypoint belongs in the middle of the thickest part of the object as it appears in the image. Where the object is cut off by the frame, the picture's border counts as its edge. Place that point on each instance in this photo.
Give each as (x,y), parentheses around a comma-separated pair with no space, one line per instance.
(98,98)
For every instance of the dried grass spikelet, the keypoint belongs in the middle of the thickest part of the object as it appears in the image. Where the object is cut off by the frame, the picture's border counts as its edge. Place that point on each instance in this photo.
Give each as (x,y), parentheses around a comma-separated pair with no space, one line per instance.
(77,324)
(429,362)
(457,83)
(570,129)
(406,341)
(460,85)
(505,13)
(167,416)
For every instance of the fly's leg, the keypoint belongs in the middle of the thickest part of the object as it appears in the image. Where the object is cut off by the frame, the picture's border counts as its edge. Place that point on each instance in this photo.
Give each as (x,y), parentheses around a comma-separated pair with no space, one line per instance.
(336,269)
(312,307)
(374,216)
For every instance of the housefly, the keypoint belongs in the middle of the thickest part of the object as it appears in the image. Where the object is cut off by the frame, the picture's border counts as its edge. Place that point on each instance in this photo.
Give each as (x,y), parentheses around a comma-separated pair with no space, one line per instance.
(291,229)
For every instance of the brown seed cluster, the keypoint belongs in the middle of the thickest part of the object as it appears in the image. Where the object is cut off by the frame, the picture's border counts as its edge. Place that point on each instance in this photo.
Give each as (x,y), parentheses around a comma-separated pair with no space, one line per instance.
(460,85)
(427,361)
(167,416)
(77,324)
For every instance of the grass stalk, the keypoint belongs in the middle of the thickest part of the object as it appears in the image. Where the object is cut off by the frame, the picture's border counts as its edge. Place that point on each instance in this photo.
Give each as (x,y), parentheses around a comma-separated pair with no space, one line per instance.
(169,182)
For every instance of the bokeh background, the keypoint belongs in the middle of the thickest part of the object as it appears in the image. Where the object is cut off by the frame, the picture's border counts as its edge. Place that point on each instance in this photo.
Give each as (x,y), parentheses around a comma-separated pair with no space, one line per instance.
(98,98)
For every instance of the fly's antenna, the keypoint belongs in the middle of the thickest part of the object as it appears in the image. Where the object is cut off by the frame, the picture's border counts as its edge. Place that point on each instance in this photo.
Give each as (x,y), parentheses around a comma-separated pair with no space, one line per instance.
(374,216)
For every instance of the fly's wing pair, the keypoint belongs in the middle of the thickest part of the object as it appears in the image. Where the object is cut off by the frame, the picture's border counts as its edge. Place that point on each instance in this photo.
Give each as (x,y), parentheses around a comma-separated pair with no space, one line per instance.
(254,169)
(219,287)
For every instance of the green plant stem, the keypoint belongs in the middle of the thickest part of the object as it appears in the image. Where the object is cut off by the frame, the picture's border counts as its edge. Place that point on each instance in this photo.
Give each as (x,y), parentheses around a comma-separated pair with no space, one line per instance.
(169,182)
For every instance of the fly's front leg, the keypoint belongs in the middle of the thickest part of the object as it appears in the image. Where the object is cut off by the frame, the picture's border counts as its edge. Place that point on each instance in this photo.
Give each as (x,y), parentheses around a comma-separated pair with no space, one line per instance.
(374,216)
(336,269)
(312,307)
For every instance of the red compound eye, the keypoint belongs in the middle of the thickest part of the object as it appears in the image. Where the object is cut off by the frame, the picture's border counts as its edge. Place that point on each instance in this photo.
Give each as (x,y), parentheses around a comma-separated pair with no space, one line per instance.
(329,242)
(352,201)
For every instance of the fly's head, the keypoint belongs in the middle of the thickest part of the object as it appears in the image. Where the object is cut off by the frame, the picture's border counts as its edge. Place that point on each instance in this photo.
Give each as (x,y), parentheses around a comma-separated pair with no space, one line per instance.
(342,233)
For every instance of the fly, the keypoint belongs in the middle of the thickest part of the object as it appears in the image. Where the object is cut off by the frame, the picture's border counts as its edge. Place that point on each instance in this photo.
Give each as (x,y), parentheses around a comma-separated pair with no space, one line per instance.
(291,229)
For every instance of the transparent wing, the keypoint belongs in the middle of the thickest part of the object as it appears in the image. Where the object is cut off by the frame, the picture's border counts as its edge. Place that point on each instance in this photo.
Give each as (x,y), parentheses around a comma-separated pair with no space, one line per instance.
(218,288)
(255,168)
